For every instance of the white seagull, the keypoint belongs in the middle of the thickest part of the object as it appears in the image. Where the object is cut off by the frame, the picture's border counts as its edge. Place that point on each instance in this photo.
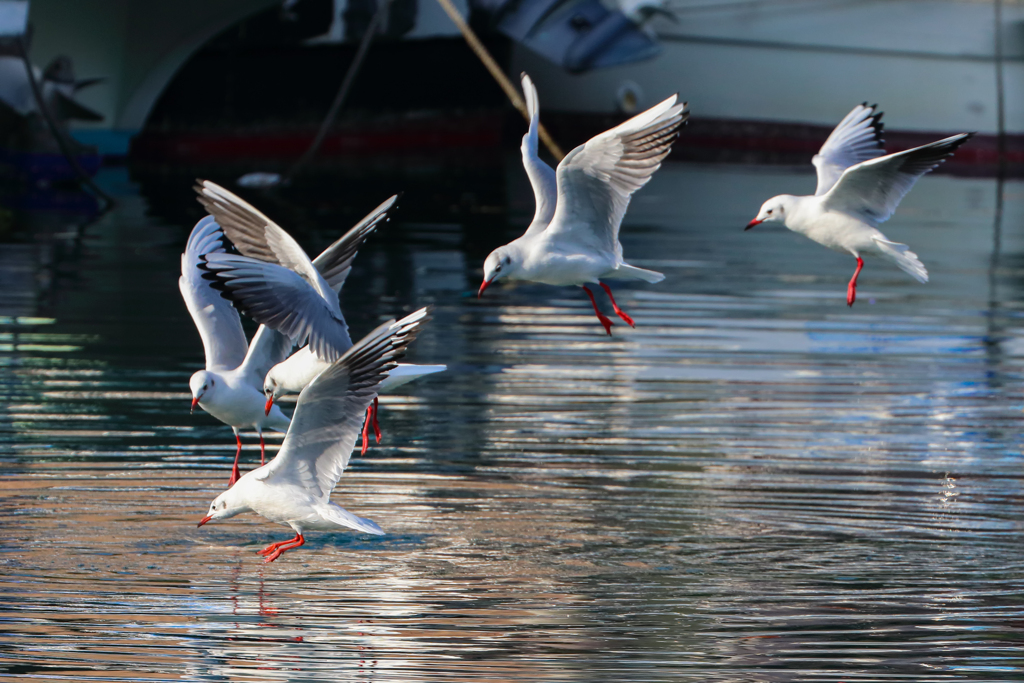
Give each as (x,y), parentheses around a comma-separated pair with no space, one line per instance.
(574,236)
(294,489)
(230,388)
(260,238)
(859,187)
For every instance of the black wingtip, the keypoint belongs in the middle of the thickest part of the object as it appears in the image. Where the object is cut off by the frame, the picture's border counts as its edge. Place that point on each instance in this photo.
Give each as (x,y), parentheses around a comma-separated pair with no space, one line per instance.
(959,139)
(216,282)
(956,144)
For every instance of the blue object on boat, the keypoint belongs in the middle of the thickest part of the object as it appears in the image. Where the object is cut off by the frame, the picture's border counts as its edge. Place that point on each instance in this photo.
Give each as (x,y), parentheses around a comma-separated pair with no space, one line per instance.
(36,167)
(578,34)
(13,18)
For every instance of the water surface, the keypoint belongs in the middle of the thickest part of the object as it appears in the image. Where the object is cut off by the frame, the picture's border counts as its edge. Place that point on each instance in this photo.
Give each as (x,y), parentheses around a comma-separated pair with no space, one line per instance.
(755,484)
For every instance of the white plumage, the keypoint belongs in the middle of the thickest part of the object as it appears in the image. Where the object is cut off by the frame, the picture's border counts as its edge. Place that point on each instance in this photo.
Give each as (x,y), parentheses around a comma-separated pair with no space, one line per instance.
(277,285)
(230,388)
(574,236)
(859,187)
(294,489)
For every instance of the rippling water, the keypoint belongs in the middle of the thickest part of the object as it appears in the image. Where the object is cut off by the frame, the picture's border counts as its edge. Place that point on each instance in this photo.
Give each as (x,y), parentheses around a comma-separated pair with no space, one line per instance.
(755,484)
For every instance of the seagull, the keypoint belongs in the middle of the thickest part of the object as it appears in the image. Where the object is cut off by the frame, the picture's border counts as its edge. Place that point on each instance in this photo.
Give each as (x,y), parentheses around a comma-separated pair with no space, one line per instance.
(230,388)
(294,489)
(573,238)
(260,238)
(859,187)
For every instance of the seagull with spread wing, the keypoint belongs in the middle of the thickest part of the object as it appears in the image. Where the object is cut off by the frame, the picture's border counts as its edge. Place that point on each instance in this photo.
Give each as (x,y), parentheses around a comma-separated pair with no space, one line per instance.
(230,388)
(294,489)
(574,236)
(281,287)
(859,187)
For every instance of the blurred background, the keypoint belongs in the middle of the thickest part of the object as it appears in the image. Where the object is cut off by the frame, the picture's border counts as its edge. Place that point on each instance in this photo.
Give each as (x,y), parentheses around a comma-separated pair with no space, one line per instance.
(172,91)
(756,484)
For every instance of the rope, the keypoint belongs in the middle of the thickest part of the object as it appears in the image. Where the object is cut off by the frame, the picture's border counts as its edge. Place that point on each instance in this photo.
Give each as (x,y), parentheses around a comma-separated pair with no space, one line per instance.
(499,75)
(346,85)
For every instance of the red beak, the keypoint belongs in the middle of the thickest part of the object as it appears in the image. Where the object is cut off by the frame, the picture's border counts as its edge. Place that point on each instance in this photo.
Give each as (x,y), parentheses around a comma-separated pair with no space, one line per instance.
(195,402)
(204,520)
(270,404)
(752,224)
(483,287)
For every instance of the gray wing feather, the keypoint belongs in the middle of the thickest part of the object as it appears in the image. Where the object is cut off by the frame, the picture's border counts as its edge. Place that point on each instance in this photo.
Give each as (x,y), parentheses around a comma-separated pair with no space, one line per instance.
(258,237)
(281,299)
(216,319)
(873,189)
(329,414)
(597,179)
(335,262)
(857,138)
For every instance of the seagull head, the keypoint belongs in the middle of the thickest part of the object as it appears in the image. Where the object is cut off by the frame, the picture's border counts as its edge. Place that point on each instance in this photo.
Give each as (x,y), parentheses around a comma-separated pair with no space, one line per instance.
(500,263)
(272,390)
(773,210)
(200,383)
(226,505)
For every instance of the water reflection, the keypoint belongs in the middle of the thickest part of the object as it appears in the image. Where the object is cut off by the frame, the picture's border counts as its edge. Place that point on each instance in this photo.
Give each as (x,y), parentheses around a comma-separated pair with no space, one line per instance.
(755,484)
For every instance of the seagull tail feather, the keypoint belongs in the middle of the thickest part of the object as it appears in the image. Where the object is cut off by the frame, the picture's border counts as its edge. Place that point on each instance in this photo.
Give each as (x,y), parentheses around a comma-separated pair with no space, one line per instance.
(901,255)
(628,272)
(342,517)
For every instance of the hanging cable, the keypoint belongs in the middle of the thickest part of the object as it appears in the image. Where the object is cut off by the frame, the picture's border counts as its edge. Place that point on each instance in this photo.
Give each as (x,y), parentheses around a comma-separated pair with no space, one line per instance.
(993,335)
(1000,142)
(484,56)
(1000,96)
(346,85)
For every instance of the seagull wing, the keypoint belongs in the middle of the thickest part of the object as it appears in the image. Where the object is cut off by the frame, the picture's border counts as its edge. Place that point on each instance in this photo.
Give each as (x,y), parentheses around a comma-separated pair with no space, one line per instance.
(335,262)
(871,190)
(217,320)
(597,179)
(281,299)
(329,414)
(542,176)
(258,237)
(857,138)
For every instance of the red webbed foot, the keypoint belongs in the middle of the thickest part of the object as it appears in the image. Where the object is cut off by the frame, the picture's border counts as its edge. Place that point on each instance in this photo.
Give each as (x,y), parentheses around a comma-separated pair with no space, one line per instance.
(600,316)
(280,548)
(376,425)
(851,289)
(618,311)
(235,474)
(366,430)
